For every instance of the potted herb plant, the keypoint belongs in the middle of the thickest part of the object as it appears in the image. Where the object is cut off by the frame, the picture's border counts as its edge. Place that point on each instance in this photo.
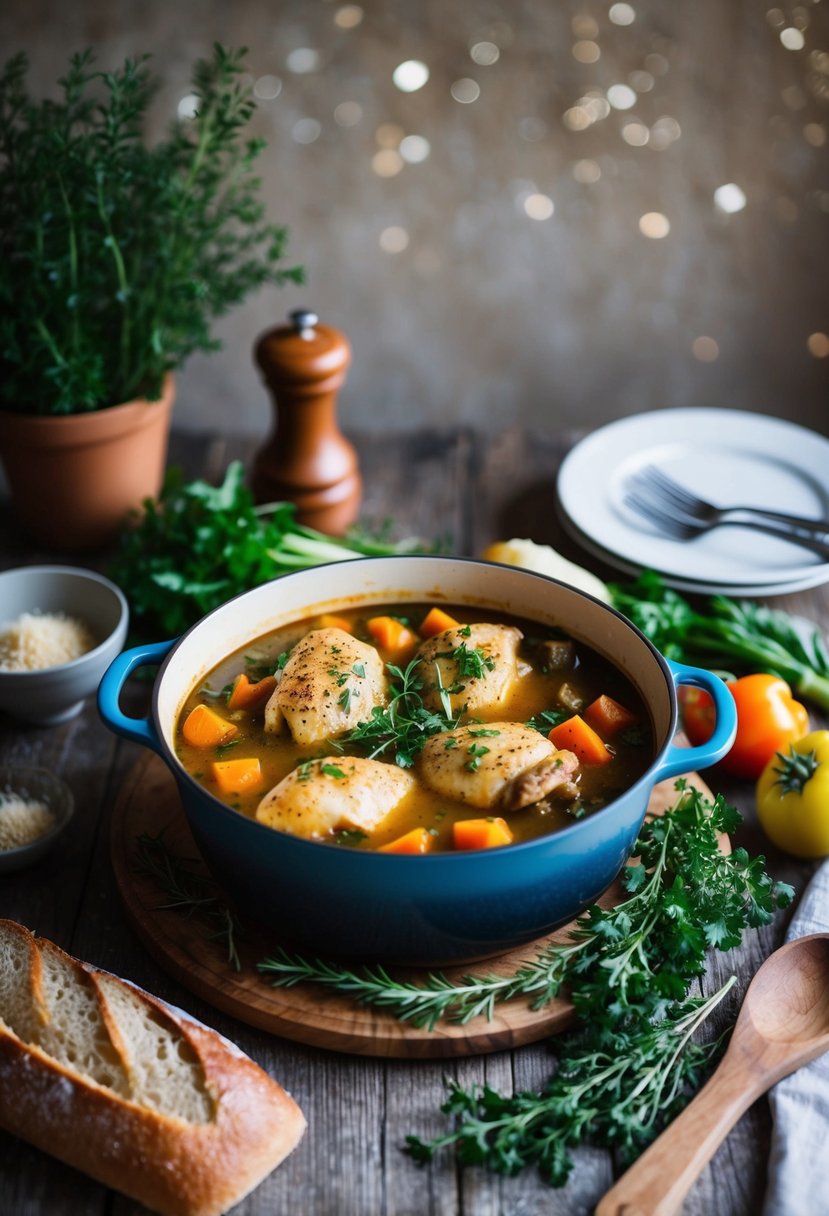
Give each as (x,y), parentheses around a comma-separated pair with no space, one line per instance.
(115,259)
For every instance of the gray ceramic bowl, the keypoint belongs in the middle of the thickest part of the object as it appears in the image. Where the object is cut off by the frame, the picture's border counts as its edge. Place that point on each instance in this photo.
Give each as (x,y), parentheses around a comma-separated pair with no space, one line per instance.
(39,785)
(54,694)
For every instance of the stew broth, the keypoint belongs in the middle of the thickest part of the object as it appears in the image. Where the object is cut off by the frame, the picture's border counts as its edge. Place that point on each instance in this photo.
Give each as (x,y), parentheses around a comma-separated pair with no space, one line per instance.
(556,678)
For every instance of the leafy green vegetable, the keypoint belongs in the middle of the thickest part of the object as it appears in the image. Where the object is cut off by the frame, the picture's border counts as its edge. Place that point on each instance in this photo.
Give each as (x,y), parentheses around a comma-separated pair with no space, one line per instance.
(199,545)
(628,969)
(746,635)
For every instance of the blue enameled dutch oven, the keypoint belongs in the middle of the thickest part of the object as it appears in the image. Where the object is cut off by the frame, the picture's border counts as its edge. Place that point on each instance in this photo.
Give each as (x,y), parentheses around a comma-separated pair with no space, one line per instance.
(432,909)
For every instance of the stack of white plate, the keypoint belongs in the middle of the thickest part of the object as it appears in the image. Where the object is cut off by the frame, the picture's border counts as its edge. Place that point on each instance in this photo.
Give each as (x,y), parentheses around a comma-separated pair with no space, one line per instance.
(729,457)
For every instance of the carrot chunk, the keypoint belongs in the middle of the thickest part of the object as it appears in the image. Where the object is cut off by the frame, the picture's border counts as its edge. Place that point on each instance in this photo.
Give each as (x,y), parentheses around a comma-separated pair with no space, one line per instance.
(419,840)
(328,620)
(203,727)
(481,833)
(435,621)
(250,694)
(391,635)
(576,736)
(234,776)
(608,717)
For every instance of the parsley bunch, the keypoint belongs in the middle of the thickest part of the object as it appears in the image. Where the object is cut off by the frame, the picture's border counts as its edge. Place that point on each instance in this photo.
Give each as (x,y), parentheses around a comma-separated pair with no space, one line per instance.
(199,545)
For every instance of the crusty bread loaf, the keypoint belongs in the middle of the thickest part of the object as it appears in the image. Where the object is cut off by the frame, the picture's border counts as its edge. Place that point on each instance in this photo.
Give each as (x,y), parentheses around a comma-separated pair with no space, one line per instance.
(116,1083)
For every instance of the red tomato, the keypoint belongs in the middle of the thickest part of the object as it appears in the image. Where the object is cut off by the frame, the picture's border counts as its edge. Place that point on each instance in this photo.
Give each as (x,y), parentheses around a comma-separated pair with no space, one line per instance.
(768,719)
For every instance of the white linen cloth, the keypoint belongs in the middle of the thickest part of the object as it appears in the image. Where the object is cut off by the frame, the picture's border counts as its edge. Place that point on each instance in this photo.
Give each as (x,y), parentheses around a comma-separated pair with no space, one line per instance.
(798,1174)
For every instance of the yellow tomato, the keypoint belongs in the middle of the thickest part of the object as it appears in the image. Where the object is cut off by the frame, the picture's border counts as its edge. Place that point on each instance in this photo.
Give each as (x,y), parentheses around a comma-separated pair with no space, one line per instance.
(793,797)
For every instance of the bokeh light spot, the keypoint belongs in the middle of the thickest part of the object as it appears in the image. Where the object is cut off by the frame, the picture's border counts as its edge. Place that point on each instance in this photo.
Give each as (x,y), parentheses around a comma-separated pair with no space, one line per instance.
(394,239)
(654,225)
(621,96)
(539,206)
(622,14)
(705,349)
(410,75)
(302,60)
(729,198)
(465,90)
(484,54)
(349,16)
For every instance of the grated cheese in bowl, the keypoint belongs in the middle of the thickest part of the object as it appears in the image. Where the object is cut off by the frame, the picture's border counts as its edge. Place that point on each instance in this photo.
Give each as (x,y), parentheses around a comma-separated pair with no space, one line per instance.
(22,819)
(35,808)
(35,641)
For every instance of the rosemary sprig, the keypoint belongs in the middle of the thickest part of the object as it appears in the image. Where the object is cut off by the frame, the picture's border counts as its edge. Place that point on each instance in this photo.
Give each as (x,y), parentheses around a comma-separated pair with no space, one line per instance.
(190,892)
(436,998)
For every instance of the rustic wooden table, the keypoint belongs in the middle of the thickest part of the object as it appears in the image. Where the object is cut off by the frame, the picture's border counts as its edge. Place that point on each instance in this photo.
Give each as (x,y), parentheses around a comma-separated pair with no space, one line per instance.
(472,488)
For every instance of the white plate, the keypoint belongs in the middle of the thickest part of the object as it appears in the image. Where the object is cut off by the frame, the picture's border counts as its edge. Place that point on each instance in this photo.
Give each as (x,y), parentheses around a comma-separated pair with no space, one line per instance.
(704,587)
(726,456)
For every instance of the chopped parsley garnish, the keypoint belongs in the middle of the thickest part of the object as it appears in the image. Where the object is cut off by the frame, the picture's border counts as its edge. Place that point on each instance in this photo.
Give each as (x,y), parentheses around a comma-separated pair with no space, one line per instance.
(332,770)
(475,751)
(547,719)
(474,663)
(349,836)
(403,726)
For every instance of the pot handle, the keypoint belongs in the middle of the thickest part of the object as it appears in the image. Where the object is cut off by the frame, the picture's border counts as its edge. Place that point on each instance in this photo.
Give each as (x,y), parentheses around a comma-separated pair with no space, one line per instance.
(140,730)
(679,760)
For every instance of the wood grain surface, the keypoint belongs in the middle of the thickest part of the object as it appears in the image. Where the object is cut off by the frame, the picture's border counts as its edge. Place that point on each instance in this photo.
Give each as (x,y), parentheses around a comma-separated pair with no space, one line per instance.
(149,804)
(471,487)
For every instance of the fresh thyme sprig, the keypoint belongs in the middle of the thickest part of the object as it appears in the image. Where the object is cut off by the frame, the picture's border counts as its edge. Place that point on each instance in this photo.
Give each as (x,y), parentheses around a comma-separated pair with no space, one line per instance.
(189,891)
(618,1098)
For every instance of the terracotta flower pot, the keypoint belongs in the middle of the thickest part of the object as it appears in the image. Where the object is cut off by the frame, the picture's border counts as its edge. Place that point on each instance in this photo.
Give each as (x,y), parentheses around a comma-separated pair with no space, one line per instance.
(74,478)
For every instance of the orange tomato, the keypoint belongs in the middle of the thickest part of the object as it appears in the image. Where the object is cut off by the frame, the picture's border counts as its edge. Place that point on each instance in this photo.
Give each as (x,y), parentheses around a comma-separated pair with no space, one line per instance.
(768,719)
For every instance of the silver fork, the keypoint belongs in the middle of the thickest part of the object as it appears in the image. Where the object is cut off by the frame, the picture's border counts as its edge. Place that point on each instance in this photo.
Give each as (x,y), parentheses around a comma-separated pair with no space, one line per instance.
(656,484)
(683,527)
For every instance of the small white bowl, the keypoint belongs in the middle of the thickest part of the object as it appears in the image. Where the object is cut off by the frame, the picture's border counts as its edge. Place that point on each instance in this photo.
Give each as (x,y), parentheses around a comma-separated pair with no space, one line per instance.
(42,786)
(50,695)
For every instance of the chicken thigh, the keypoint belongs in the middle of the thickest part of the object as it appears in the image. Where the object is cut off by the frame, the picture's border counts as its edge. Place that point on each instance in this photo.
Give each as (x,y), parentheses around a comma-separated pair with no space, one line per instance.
(476,665)
(499,766)
(322,796)
(330,682)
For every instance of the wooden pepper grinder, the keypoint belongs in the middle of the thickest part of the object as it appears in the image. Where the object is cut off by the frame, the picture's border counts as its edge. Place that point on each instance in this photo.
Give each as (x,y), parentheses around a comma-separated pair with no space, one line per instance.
(307,460)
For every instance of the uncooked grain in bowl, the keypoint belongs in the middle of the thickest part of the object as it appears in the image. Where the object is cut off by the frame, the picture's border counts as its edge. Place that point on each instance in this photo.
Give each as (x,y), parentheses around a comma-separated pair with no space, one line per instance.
(35,641)
(22,820)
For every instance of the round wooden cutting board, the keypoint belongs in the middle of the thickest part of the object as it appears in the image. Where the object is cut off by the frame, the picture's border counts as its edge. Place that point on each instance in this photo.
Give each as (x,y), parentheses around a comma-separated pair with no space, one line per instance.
(307,1013)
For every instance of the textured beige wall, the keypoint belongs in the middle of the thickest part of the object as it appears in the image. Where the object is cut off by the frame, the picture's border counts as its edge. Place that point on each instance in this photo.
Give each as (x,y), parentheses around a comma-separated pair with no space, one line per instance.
(488,314)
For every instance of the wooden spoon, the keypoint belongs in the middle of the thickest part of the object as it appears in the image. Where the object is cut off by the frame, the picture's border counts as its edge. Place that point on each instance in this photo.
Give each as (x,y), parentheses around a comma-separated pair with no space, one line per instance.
(784,1023)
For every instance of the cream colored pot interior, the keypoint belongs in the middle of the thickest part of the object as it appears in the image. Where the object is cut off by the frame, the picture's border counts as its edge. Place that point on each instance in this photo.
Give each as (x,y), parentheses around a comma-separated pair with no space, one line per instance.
(350,584)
